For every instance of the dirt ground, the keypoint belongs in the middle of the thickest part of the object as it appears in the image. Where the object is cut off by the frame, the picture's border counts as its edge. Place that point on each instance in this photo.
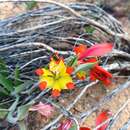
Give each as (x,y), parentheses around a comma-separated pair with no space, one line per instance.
(121,10)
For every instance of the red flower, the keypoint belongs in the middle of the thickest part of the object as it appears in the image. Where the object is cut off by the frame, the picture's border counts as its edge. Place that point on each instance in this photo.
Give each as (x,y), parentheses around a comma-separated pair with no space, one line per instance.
(102,117)
(84,128)
(97,72)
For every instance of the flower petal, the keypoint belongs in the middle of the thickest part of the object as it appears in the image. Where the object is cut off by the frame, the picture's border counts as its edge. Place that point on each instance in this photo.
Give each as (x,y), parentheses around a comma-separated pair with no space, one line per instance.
(47,79)
(69,70)
(103,116)
(66,125)
(97,50)
(55,93)
(39,71)
(43,109)
(84,128)
(80,49)
(42,85)
(70,85)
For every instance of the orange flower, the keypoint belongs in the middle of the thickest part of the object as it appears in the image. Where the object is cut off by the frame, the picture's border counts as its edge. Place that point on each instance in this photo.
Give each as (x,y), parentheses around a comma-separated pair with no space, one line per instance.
(81,75)
(80,49)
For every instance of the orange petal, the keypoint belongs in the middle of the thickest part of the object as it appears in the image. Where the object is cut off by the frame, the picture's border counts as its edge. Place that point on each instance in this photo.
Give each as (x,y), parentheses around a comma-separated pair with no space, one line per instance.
(82,78)
(39,72)
(43,85)
(70,85)
(80,49)
(69,70)
(55,93)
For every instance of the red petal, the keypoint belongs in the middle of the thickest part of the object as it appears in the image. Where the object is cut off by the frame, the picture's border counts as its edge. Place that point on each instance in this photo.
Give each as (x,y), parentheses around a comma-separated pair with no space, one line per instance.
(39,72)
(43,85)
(101,70)
(55,93)
(66,125)
(91,60)
(84,128)
(97,50)
(70,85)
(103,116)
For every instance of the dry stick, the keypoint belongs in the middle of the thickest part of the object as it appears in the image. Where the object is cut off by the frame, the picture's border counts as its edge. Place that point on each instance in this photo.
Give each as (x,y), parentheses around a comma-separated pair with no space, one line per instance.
(126,125)
(42,26)
(112,122)
(84,115)
(116,52)
(116,66)
(89,21)
(70,106)
(35,44)
(33,60)
(27,53)
(73,12)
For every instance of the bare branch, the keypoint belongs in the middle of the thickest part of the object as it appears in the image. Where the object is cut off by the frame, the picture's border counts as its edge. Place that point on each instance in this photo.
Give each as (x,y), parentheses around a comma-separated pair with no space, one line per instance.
(104,100)
(115,117)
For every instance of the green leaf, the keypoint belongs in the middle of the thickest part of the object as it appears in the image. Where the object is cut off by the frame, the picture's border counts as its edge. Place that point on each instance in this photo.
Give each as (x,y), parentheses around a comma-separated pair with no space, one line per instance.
(3,92)
(21,87)
(31,4)
(10,117)
(23,111)
(3,68)
(6,83)
(84,67)
(89,29)
(3,113)
(72,61)
(22,125)
(17,76)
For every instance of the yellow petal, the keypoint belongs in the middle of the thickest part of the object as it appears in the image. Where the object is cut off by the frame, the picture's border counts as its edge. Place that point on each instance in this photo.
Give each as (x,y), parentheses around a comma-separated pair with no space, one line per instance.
(49,81)
(47,73)
(56,85)
(57,68)
(48,77)
(63,81)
